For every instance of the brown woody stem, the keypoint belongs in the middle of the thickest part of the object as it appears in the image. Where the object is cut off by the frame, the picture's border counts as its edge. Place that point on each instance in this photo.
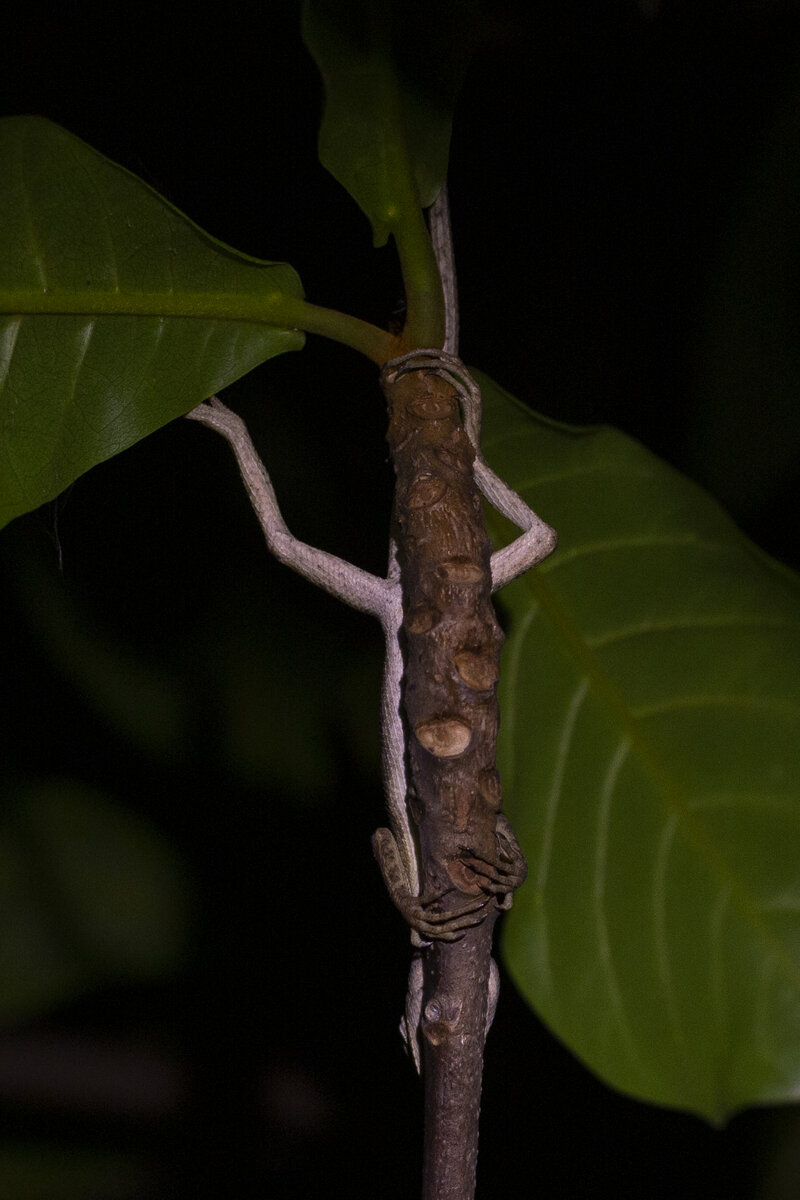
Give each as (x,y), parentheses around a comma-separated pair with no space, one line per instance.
(451,642)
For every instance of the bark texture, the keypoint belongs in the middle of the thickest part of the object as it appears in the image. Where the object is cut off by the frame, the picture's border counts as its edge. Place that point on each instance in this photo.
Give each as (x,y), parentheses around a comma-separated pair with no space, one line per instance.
(451,645)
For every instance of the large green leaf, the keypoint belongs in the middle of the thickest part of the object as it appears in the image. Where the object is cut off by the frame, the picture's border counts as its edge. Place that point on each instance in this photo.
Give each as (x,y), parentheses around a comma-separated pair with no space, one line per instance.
(650,752)
(117,314)
(392,72)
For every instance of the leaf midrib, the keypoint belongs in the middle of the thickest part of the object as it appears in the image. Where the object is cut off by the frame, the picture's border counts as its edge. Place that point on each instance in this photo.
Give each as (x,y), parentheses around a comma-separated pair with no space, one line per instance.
(274,309)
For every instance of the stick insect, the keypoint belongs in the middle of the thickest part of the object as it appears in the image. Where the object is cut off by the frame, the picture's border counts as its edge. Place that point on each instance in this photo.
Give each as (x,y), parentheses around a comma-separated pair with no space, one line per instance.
(397,848)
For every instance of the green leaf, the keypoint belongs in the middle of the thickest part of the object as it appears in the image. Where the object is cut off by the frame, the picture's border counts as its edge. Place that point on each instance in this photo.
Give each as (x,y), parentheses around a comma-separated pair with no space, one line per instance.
(392,73)
(650,752)
(89,893)
(117,314)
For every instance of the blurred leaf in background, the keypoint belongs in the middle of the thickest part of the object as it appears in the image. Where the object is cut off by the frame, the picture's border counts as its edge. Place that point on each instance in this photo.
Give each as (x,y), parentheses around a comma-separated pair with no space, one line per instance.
(89,895)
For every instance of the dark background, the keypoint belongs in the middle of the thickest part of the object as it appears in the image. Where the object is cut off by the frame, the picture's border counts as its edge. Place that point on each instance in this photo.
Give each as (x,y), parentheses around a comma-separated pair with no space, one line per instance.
(624,186)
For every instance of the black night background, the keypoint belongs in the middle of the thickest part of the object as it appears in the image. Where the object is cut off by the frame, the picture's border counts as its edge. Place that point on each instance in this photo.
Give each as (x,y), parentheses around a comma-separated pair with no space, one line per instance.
(624,187)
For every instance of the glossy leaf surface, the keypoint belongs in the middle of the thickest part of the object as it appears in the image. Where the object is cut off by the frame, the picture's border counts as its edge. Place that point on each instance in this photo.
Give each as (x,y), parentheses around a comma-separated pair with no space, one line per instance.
(392,73)
(117,313)
(650,753)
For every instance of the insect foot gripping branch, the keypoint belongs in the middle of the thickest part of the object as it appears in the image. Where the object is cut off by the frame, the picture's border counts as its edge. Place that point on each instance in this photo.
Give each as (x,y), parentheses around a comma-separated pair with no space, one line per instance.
(470,863)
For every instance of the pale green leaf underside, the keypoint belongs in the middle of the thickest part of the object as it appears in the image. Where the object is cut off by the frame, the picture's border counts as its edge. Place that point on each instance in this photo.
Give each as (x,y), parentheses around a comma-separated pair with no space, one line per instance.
(650,753)
(117,313)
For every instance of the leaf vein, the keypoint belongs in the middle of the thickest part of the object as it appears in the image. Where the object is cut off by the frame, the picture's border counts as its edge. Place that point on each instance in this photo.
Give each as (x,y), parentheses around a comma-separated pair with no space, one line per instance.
(686,624)
(601,919)
(554,796)
(768,704)
(570,554)
(660,938)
